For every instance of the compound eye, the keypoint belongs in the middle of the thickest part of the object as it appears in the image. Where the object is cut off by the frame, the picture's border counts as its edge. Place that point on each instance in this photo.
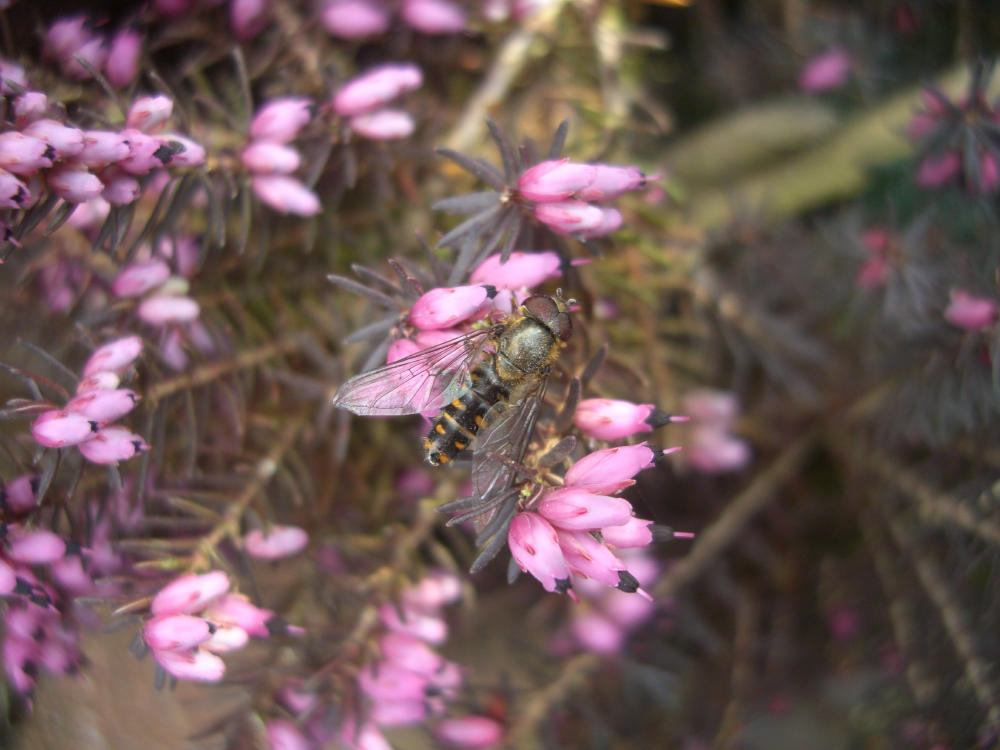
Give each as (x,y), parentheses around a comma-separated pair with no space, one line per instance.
(541,307)
(562,326)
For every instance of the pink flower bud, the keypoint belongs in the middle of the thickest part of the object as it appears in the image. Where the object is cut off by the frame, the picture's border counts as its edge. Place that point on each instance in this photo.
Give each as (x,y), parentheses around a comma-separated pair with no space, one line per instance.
(146,152)
(11,73)
(19,659)
(138,278)
(195,665)
(226,638)
(521,270)
(374,88)
(237,610)
(427,339)
(610,470)
(8,579)
(74,184)
(20,495)
(112,444)
(286,194)
(248,17)
(970,312)
(578,510)
(190,593)
(534,546)
(633,533)
(283,735)
(610,182)
(555,180)
(23,154)
(433,16)
(99,381)
(433,592)
(37,547)
(410,653)
(102,147)
(176,632)
(122,65)
(469,732)
(164,309)
(588,557)
(120,188)
(114,356)
(570,216)
(30,106)
(399,349)
(184,151)
(103,406)
(65,36)
(388,682)
(390,713)
(277,542)
(354,19)
(368,737)
(57,429)
(921,124)
(149,113)
(443,307)
(428,628)
(65,140)
(281,120)
(712,450)
(708,407)
(13,192)
(937,169)
(612,419)
(825,72)
(383,125)
(611,221)
(266,157)
(93,51)
(597,634)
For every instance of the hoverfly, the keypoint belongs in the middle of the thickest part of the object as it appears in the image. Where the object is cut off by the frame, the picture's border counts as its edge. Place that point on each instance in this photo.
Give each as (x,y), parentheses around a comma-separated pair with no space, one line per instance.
(488,386)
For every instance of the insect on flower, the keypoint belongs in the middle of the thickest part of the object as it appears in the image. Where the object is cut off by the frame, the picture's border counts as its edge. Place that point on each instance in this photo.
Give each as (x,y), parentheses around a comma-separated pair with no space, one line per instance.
(488,384)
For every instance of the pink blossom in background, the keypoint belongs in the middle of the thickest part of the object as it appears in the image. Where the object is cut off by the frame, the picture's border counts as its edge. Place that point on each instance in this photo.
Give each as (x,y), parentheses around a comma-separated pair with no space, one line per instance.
(383,125)
(149,113)
(376,87)
(286,194)
(433,16)
(826,72)
(469,732)
(280,120)
(971,312)
(124,52)
(275,542)
(354,19)
(937,169)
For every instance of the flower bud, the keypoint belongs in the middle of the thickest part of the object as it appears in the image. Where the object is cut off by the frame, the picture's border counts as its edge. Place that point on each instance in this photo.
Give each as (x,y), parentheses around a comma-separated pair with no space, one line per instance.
(73,184)
(610,470)
(281,119)
(11,73)
(195,665)
(138,278)
(248,17)
(13,192)
(19,660)
(578,510)
(376,87)
(597,634)
(970,312)
(66,35)
(388,682)
(226,638)
(20,495)
(190,593)
(443,307)
(123,57)
(65,140)
(610,182)
(37,547)
(30,106)
(937,169)
(286,194)
(569,216)
(712,450)
(93,51)
(826,72)
(146,152)
(103,406)
(283,735)
(611,221)
(433,591)
(554,180)
(534,546)
(428,628)
(410,653)
(398,713)
(400,349)
(590,558)
(8,580)
(383,125)
(99,381)
(176,632)
(469,732)
(114,356)
(22,154)
(433,16)
(612,419)
(633,533)
(521,270)
(709,407)
(58,429)
(149,113)
(277,542)
(165,309)
(267,157)
(237,610)
(102,147)
(112,444)
(354,19)
(184,151)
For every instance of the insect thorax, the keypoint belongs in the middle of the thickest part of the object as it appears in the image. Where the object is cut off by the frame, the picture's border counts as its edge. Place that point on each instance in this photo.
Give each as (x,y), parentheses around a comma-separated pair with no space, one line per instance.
(524,349)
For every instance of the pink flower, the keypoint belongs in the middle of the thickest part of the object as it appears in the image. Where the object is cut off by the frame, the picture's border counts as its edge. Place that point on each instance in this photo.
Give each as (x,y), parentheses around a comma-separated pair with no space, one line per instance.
(389,682)
(281,120)
(8,579)
(590,558)
(410,653)
(383,125)
(577,218)
(633,533)
(612,419)
(443,307)
(103,406)
(433,16)
(37,547)
(709,407)
(149,113)
(195,665)
(390,713)
(534,546)
(989,175)
(937,169)
(469,732)
(236,610)
(554,180)
(184,151)
(283,735)
(102,147)
(611,221)
(138,278)
(58,429)
(190,593)
(66,141)
(713,450)
(610,470)
(970,312)
(146,152)
(73,184)
(30,106)
(123,57)
(93,51)
(114,356)
(22,154)
(248,17)
(120,189)
(825,72)
(400,349)
(429,628)
(265,157)
(20,495)
(99,381)
(575,509)
(278,542)
(176,632)
(354,19)
(165,309)
(521,270)
(14,74)
(610,182)
(376,87)
(13,192)
(286,194)
(433,591)
(226,638)
(112,444)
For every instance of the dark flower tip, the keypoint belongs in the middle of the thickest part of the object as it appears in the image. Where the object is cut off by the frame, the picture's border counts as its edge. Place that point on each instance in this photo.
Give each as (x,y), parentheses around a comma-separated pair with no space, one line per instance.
(658,418)
(627,582)
(563,585)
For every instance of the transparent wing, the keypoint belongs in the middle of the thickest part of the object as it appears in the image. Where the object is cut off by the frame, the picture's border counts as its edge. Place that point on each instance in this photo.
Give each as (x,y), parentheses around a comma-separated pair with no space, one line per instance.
(423,381)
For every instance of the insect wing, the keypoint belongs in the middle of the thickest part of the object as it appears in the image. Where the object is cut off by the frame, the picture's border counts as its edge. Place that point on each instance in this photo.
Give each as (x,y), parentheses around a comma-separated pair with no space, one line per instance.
(425,380)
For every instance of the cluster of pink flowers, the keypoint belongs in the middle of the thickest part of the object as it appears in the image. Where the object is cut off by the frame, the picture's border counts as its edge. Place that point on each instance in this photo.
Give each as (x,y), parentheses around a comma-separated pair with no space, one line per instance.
(564,194)
(363,101)
(270,159)
(80,166)
(710,446)
(194,619)
(574,530)
(970,311)
(74,37)
(86,420)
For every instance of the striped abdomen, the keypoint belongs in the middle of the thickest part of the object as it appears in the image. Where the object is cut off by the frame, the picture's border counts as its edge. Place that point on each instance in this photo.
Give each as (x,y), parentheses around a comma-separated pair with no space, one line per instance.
(463,418)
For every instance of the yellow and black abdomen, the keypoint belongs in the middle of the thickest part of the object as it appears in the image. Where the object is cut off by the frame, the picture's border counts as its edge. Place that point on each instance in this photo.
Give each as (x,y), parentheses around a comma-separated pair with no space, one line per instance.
(463,418)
